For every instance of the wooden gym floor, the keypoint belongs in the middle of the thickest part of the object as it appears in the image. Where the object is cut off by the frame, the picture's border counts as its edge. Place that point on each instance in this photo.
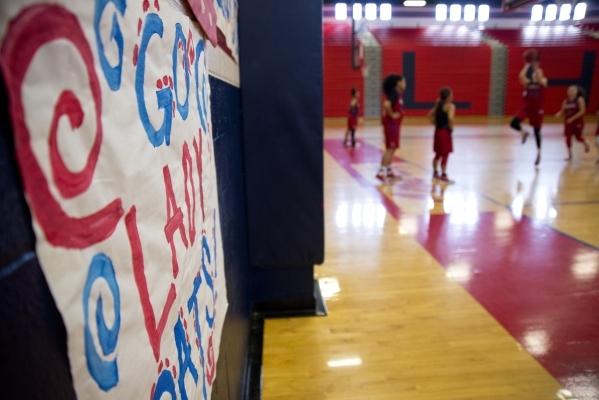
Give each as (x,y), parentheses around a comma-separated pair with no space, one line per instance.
(485,289)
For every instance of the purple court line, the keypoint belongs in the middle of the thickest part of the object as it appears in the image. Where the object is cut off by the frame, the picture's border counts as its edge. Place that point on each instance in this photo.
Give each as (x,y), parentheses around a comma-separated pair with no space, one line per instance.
(366,153)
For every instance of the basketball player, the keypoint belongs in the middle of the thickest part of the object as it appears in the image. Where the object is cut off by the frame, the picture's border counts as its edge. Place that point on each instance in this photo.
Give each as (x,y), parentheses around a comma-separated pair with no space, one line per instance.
(352,118)
(574,107)
(442,116)
(534,82)
(393,88)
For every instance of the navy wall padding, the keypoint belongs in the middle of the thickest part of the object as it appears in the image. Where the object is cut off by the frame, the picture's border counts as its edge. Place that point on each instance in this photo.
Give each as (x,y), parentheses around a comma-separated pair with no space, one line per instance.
(283,283)
(228,153)
(281,92)
(33,342)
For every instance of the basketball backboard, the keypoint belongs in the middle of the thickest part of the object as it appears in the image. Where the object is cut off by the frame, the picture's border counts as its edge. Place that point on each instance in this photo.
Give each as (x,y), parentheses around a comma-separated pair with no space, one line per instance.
(510,5)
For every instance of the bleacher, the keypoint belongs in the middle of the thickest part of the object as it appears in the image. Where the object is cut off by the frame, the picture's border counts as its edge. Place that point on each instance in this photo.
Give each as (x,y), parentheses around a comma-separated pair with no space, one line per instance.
(438,56)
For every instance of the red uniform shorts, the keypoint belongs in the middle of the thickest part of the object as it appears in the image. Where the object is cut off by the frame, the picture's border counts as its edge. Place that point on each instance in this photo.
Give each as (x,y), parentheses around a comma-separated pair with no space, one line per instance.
(392,134)
(534,115)
(574,129)
(352,123)
(443,143)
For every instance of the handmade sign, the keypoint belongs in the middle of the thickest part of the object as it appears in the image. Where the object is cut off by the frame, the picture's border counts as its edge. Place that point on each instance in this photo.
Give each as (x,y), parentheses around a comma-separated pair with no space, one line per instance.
(110,105)
(226,21)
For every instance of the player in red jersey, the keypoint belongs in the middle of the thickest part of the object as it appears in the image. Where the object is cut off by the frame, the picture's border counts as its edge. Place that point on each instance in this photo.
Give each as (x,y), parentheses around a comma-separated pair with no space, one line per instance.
(574,107)
(534,82)
(393,87)
(352,118)
(442,116)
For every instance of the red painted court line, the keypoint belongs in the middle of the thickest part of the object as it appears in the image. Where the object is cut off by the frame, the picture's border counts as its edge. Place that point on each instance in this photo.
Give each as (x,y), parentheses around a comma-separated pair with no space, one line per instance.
(540,284)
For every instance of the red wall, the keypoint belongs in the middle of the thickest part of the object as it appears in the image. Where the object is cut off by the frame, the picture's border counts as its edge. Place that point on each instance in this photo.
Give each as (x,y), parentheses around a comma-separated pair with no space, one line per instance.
(445,56)
(339,76)
(561,51)
(457,57)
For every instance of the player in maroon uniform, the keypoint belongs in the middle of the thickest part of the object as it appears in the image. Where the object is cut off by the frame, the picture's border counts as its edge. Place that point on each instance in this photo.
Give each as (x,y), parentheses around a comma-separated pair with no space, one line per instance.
(534,82)
(574,107)
(393,87)
(442,116)
(352,118)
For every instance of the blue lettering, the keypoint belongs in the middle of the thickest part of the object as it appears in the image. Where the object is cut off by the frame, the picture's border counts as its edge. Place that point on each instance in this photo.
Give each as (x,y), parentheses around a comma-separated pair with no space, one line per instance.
(192,304)
(164,96)
(209,282)
(105,373)
(165,384)
(112,74)
(180,37)
(184,355)
(201,100)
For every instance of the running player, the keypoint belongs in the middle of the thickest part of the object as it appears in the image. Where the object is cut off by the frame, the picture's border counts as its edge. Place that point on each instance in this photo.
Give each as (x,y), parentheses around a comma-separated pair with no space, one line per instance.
(574,107)
(393,88)
(352,118)
(442,116)
(534,82)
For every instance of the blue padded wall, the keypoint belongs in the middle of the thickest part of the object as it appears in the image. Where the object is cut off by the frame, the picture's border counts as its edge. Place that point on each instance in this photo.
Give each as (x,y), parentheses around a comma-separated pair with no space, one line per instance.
(228,154)
(281,80)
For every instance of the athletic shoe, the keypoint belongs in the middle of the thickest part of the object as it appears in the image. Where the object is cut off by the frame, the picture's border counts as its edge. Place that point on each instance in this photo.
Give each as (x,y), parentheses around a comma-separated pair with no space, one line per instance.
(380,177)
(538,160)
(446,180)
(346,143)
(569,158)
(524,137)
(435,176)
(587,148)
(392,177)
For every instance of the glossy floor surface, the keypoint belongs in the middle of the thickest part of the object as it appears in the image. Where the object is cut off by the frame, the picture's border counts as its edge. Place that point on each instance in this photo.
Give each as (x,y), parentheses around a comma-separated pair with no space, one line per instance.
(484,289)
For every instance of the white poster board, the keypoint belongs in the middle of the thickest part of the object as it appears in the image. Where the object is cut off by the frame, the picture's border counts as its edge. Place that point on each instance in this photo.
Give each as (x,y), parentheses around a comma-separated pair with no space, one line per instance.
(110,105)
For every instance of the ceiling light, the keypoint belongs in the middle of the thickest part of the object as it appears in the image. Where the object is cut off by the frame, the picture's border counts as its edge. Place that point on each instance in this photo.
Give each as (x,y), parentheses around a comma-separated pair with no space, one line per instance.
(455,12)
(441,12)
(414,3)
(564,12)
(469,12)
(537,13)
(551,12)
(370,11)
(385,11)
(340,11)
(580,11)
(357,11)
(483,13)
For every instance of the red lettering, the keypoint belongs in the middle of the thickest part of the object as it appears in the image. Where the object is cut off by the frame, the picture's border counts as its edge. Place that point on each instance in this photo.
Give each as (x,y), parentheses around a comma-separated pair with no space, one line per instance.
(199,165)
(191,209)
(154,331)
(211,367)
(174,219)
(71,184)
(33,28)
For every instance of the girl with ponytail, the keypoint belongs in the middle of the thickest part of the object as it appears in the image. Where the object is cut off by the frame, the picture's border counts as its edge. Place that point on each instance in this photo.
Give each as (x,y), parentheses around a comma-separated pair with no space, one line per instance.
(442,116)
